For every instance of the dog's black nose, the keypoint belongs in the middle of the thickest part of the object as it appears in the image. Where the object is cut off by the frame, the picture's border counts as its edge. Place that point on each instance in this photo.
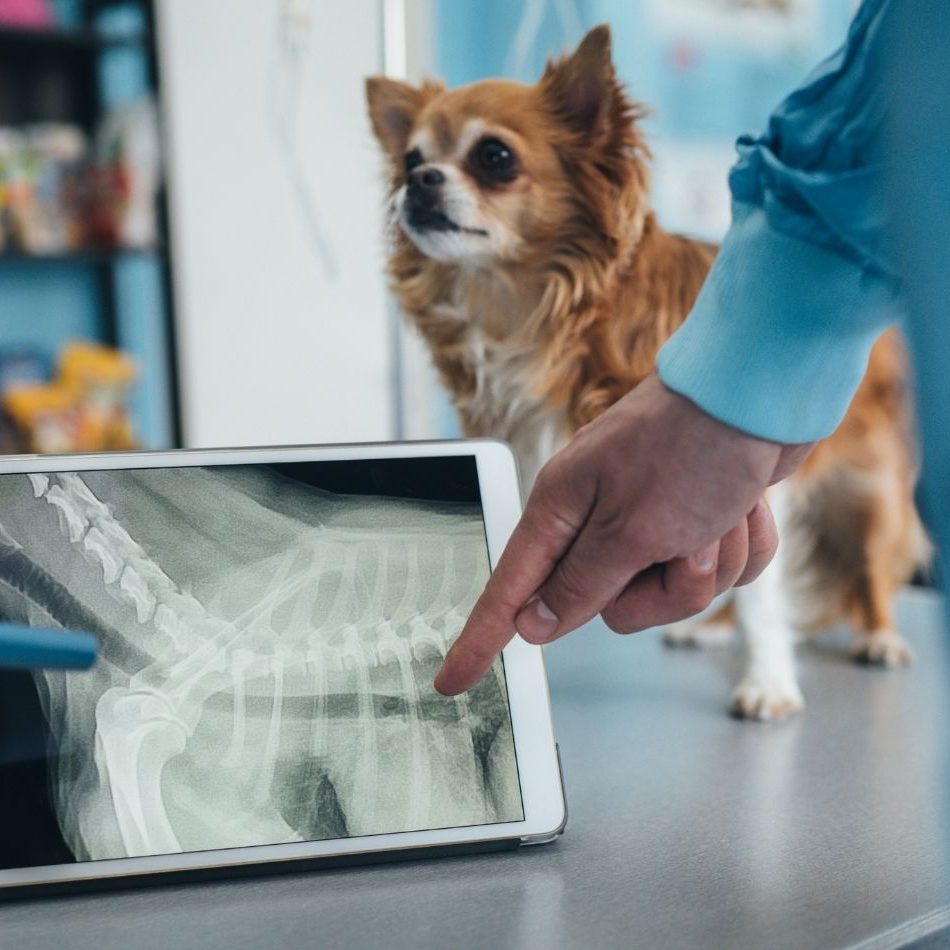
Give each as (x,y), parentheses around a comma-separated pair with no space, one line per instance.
(428,177)
(425,187)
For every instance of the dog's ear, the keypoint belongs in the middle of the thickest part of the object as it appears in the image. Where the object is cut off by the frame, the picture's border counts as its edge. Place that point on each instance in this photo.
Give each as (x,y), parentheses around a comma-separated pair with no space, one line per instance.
(393,107)
(579,88)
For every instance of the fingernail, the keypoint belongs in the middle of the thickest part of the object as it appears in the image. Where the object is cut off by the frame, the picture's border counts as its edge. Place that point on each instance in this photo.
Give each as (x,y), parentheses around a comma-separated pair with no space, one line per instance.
(705,561)
(536,623)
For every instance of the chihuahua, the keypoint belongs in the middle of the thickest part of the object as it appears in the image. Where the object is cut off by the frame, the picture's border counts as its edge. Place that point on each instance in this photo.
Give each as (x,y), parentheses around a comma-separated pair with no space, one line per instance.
(525,252)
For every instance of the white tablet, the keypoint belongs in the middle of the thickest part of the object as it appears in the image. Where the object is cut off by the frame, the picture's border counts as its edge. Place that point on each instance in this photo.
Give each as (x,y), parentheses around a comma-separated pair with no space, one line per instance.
(270,623)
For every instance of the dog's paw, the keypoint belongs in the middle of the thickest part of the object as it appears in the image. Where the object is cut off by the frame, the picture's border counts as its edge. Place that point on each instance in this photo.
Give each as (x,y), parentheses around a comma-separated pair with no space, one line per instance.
(690,635)
(765,700)
(882,648)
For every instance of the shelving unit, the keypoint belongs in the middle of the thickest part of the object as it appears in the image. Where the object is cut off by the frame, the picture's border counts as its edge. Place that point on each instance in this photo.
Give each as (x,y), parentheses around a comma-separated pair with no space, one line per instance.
(59,38)
(118,296)
(91,255)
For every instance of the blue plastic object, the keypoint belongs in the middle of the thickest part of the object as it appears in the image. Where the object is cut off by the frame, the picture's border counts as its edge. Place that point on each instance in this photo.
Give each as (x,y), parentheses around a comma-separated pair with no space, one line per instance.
(31,647)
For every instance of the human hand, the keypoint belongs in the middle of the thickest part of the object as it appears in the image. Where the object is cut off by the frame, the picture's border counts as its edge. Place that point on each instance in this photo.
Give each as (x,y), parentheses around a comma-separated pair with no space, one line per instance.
(651,510)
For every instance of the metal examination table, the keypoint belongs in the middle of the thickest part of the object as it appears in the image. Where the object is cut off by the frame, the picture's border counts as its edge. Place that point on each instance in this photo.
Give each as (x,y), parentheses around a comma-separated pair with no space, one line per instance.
(686,828)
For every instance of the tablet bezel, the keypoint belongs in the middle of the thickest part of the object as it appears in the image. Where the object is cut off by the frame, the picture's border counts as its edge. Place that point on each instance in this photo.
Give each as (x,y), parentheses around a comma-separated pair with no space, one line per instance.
(532,722)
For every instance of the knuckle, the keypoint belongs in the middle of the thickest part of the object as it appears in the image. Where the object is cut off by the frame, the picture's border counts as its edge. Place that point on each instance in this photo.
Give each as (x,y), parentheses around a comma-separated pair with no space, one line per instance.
(494,612)
(547,524)
(765,551)
(618,622)
(651,537)
(473,653)
(613,522)
(726,582)
(696,598)
(734,548)
(496,599)
(619,534)
(549,480)
(549,511)
(728,573)
(568,587)
(752,570)
(763,532)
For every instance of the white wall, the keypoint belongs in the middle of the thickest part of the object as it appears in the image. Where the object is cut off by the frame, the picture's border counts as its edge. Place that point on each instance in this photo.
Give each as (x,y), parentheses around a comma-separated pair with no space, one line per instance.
(273,348)
(425,411)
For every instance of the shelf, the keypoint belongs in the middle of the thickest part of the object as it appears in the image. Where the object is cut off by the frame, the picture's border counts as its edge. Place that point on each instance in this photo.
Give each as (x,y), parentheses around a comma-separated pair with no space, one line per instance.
(61,39)
(86,256)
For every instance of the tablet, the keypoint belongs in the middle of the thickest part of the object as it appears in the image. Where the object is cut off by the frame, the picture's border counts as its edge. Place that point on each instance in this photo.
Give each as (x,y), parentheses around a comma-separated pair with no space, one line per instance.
(270,622)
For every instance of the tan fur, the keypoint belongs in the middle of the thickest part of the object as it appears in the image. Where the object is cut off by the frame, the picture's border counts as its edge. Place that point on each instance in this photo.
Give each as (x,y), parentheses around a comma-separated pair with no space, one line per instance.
(567,313)
(854,502)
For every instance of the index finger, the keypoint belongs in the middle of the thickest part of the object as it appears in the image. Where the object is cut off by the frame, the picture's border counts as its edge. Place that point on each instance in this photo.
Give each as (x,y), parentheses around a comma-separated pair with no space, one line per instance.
(536,545)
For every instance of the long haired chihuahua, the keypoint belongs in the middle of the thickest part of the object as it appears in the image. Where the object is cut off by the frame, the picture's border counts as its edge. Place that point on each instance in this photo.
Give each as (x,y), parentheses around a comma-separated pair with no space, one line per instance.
(525,251)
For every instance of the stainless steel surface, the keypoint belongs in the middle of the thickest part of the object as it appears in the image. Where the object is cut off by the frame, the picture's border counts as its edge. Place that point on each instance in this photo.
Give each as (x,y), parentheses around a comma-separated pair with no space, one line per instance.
(686,828)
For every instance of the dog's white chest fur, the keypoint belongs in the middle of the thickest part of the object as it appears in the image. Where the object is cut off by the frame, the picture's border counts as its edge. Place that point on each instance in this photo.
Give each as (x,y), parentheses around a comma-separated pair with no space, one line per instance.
(504,406)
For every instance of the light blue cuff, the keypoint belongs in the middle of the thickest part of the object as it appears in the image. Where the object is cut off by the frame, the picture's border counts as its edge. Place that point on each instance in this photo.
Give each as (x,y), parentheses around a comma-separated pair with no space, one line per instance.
(779,338)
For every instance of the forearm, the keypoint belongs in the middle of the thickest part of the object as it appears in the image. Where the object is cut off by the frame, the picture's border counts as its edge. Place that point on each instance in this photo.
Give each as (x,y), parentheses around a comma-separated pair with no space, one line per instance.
(779,338)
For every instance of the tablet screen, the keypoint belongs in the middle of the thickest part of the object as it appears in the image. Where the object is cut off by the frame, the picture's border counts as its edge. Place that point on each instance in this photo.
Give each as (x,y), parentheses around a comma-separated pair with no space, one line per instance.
(269,635)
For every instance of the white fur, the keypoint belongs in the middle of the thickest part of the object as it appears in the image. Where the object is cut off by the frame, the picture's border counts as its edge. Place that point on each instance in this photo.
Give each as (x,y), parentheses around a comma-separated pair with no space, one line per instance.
(765,615)
(883,648)
(503,405)
(767,611)
(422,140)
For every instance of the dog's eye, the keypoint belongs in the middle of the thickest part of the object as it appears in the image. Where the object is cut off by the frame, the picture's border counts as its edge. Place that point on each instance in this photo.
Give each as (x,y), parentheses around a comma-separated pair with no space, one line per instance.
(494,156)
(413,160)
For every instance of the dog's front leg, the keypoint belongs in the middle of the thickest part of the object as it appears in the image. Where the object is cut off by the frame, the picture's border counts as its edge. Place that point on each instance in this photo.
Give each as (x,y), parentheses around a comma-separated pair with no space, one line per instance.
(769,687)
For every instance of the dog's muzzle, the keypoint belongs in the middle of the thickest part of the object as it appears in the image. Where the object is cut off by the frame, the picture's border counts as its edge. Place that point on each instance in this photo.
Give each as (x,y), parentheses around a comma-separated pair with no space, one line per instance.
(424,201)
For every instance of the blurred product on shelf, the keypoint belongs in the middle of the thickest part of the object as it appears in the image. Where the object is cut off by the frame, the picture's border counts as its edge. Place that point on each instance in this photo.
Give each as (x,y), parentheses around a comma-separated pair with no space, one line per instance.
(45,418)
(41,173)
(82,410)
(36,14)
(125,177)
(59,196)
(102,378)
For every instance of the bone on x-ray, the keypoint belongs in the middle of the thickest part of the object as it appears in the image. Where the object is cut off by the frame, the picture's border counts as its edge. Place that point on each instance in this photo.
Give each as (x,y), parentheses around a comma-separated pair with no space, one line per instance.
(267,656)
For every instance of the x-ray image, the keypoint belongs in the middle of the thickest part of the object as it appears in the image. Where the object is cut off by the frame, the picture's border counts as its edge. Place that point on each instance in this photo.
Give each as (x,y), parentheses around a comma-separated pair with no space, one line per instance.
(268,648)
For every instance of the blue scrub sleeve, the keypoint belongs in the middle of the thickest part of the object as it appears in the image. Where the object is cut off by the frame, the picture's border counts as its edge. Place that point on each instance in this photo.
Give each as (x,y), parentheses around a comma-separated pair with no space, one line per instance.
(805,282)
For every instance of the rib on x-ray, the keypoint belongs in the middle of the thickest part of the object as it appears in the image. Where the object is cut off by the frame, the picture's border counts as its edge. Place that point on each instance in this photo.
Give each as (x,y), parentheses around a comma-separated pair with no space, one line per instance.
(267,656)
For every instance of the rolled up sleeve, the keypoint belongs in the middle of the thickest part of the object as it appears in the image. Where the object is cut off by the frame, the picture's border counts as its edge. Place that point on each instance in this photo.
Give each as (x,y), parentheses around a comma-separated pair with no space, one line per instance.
(779,337)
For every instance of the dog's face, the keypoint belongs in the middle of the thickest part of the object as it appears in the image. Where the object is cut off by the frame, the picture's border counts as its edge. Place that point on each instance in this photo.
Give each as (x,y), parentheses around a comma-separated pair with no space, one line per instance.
(468,167)
(492,171)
